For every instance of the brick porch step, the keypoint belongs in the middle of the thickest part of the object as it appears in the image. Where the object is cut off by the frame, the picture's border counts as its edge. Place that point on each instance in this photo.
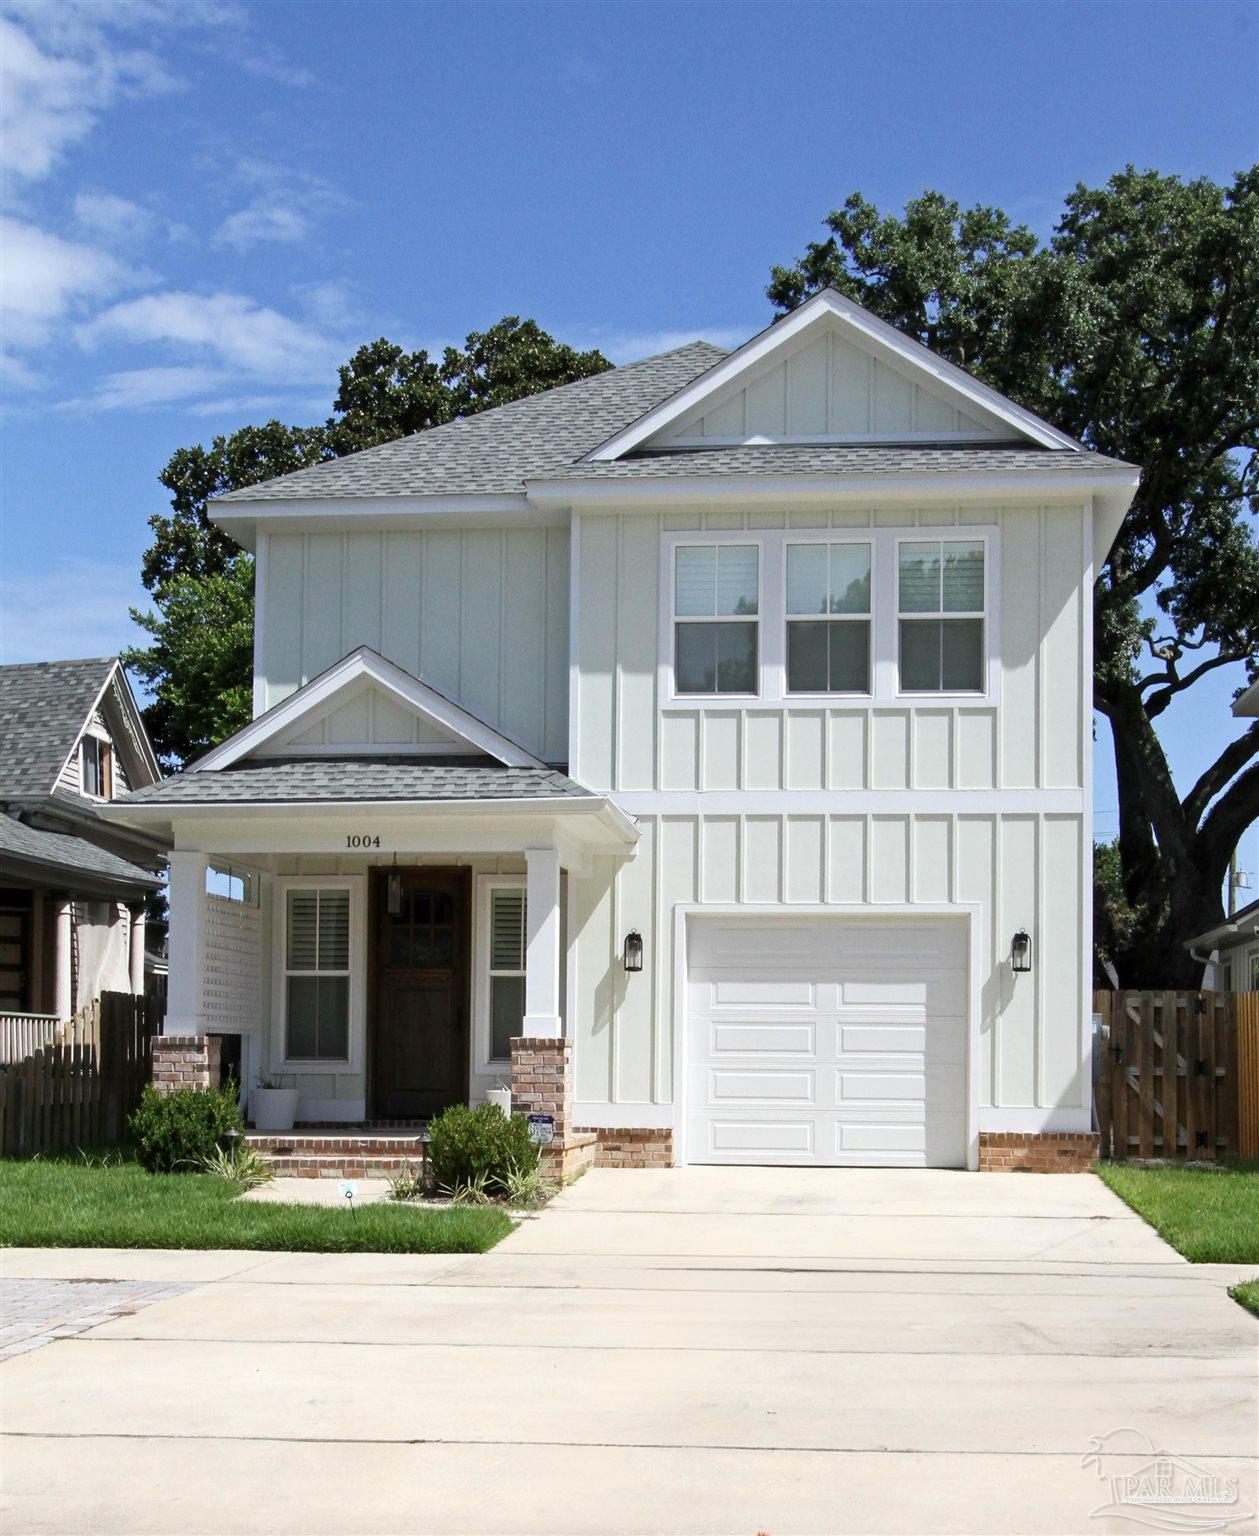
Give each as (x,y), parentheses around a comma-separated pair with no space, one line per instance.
(339,1154)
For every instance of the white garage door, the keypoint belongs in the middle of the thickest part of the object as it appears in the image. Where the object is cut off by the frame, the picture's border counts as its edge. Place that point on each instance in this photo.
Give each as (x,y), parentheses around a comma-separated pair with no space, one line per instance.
(826,1041)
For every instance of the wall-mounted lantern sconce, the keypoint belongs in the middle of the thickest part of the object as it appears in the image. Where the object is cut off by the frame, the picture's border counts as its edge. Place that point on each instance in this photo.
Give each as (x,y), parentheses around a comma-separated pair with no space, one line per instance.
(633,950)
(1021,952)
(395,889)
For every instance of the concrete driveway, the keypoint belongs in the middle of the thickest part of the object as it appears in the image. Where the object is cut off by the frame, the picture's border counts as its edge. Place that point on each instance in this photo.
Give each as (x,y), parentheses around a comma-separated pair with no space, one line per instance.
(695,1350)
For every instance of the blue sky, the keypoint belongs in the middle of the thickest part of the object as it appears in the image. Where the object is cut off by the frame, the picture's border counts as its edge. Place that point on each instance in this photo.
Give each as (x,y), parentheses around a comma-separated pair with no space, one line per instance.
(209,204)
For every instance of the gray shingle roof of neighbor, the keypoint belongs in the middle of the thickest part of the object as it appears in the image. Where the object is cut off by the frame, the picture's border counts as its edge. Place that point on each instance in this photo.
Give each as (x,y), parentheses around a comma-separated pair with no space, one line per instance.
(497,450)
(269,781)
(833,459)
(43,707)
(61,851)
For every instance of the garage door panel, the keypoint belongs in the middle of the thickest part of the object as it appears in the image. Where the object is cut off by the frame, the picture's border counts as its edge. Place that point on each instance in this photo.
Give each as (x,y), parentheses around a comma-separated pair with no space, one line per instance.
(727,1086)
(733,1138)
(766,1039)
(832,1041)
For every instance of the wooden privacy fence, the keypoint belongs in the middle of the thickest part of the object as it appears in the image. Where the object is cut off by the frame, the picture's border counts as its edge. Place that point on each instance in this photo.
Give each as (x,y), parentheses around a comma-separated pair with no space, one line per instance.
(78,1090)
(1177,1074)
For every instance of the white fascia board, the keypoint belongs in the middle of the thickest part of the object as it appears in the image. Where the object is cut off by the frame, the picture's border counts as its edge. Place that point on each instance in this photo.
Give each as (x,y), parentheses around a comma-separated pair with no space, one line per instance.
(365,663)
(1110,507)
(1247,703)
(875,333)
(612,828)
(244,520)
(807,490)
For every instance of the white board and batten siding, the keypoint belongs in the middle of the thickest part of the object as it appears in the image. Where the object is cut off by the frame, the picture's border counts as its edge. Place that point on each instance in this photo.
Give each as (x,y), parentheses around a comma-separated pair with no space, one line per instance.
(480,614)
(979,804)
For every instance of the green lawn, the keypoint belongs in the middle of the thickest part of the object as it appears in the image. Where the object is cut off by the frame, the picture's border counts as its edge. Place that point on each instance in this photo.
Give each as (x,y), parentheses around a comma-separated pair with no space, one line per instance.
(1210,1216)
(71,1204)
(1248,1295)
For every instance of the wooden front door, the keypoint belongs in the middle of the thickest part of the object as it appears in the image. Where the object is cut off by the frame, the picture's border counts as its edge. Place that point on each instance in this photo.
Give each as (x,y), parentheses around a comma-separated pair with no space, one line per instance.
(420,1017)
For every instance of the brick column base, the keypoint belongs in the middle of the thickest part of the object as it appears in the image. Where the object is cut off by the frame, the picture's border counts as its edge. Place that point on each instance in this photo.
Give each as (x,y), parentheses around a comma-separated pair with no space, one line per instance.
(184,1061)
(1037,1152)
(542,1084)
(634,1147)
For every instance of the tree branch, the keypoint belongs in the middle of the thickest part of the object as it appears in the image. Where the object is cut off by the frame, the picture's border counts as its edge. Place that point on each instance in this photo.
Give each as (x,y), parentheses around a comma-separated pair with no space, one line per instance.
(1233,758)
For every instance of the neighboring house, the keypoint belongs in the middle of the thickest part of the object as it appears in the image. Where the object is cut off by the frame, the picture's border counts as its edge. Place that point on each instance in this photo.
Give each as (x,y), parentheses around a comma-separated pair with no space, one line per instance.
(776,663)
(72,886)
(1230,952)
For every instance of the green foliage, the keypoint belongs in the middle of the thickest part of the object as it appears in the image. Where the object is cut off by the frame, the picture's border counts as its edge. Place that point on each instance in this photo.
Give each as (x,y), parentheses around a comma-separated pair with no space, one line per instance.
(1136,330)
(180,1130)
(528,1187)
(199,664)
(466,1144)
(60,1203)
(1211,1215)
(242,1165)
(408,1183)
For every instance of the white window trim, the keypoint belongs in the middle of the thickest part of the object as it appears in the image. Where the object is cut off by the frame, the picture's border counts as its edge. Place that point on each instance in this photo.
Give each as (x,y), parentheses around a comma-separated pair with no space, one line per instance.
(833,536)
(884,617)
(984,615)
(353,1062)
(715,540)
(485,1065)
(95,733)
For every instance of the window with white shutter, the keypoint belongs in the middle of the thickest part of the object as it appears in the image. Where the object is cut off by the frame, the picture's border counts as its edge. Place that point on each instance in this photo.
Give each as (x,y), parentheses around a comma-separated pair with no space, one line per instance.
(317,973)
(506,978)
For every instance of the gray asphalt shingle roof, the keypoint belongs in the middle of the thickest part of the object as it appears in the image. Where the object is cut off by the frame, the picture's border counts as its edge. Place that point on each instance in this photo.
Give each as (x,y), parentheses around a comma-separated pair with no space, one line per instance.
(833,459)
(43,707)
(64,852)
(496,451)
(284,781)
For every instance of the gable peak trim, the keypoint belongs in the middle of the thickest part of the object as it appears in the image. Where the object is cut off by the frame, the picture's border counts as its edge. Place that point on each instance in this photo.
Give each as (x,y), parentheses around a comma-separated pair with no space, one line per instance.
(411,691)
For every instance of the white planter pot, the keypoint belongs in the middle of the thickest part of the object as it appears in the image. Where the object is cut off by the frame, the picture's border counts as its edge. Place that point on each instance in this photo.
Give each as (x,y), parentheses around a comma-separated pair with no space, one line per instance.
(501,1097)
(273,1109)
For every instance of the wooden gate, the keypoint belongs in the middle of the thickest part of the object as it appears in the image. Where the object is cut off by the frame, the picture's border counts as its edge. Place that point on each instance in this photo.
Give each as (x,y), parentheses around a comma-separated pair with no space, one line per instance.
(1248,1074)
(78,1090)
(1167,1074)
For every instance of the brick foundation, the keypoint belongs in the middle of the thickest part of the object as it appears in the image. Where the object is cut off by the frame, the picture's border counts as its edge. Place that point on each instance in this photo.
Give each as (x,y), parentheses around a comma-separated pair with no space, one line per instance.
(644,1147)
(184,1061)
(1037,1152)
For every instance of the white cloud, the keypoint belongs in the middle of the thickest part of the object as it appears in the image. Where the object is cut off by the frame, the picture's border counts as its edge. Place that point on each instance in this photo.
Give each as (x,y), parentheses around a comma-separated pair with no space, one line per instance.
(225,328)
(116,220)
(283,208)
(333,304)
(47,278)
(69,607)
(145,388)
(629,346)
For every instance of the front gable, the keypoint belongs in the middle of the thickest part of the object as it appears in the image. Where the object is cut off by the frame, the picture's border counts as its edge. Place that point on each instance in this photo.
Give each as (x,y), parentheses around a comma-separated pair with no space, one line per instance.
(831,372)
(366,706)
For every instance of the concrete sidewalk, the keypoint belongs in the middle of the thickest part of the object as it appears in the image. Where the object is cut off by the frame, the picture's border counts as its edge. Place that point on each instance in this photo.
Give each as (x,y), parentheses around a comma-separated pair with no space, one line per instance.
(690,1350)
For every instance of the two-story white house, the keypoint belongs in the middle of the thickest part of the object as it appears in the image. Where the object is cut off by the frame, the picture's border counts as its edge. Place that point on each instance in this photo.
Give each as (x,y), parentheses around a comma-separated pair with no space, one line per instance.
(772,668)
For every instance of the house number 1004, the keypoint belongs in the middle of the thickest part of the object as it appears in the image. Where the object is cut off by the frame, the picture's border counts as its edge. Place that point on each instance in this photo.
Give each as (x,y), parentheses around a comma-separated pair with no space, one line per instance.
(361,840)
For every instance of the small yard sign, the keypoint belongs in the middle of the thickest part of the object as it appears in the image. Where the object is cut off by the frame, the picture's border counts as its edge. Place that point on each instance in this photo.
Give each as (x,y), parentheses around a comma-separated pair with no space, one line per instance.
(542,1129)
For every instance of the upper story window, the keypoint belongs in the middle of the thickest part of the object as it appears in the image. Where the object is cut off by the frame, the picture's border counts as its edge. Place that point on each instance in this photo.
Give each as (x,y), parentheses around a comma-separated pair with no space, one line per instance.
(940,612)
(828,618)
(716,608)
(96,768)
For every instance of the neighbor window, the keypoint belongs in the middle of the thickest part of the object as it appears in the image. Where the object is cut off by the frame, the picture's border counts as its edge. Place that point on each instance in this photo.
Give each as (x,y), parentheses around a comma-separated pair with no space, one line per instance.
(317,974)
(506,969)
(97,775)
(716,604)
(941,614)
(828,618)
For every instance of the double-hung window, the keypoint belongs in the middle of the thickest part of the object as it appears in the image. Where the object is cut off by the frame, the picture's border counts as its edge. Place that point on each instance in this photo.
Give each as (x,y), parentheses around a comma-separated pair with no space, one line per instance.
(828,618)
(317,973)
(506,968)
(97,768)
(716,608)
(941,613)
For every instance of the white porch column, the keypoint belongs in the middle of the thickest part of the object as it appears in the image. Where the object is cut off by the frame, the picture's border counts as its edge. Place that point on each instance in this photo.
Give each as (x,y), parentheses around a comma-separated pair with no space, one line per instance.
(135,953)
(185,995)
(542,942)
(63,964)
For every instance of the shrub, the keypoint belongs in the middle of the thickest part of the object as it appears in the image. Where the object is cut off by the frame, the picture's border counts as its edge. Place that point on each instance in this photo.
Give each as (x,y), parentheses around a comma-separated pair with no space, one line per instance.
(241,1165)
(466,1144)
(182,1129)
